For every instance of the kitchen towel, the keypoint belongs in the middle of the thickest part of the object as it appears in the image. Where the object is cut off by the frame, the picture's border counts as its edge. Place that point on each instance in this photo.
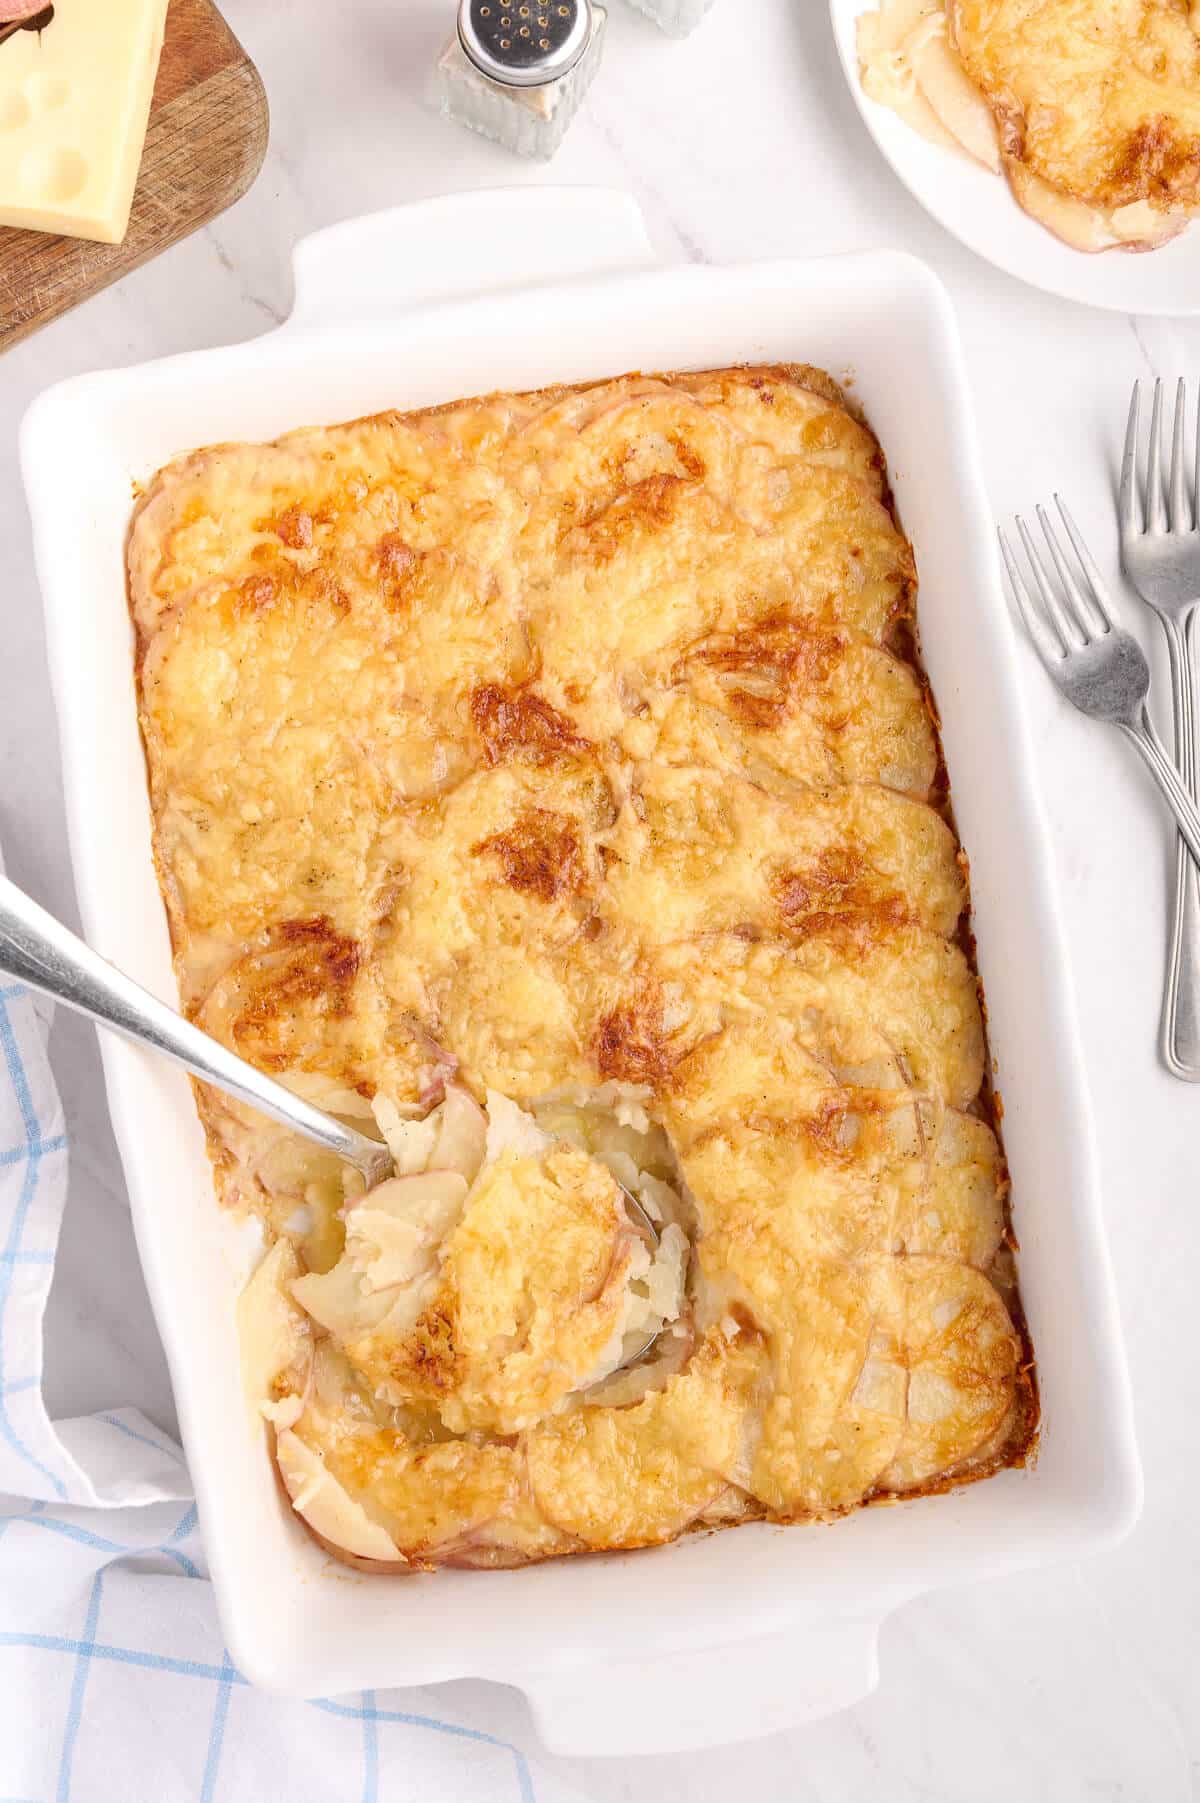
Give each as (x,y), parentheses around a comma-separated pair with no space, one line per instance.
(115,1686)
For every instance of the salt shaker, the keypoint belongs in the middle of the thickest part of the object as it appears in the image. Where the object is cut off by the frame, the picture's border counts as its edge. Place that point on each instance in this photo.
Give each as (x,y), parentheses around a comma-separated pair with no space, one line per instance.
(675,16)
(516,70)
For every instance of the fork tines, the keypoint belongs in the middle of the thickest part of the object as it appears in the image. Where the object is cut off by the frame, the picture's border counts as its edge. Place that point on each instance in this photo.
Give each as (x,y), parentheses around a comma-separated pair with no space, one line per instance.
(1077,608)
(1168,506)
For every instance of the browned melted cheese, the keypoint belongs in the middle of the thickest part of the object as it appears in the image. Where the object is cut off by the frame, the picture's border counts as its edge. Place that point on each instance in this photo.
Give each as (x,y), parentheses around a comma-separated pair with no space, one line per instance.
(570,737)
(1098,98)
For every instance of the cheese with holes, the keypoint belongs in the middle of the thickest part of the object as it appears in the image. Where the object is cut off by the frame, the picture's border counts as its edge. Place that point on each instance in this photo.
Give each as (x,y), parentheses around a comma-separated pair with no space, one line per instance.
(75,87)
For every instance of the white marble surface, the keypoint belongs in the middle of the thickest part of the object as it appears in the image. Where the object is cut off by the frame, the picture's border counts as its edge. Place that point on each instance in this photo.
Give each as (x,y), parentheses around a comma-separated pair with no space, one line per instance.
(1075,1685)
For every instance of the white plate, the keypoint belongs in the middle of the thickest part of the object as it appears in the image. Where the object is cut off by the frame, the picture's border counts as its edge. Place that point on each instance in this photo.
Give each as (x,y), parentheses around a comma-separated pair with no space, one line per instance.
(978,208)
(617,1654)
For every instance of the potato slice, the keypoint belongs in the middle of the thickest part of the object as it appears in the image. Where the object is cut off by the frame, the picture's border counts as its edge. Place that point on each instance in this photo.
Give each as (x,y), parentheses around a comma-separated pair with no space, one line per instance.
(957,1211)
(357,1482)
(272,1331)
(323,1502)
(953,96)
(698,851)
(962,1354)
(622,1477)
(837,1416)
(462,1135)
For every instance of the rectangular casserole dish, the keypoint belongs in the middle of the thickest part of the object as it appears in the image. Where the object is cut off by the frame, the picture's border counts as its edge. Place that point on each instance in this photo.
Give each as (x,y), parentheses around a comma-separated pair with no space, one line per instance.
(615,1653)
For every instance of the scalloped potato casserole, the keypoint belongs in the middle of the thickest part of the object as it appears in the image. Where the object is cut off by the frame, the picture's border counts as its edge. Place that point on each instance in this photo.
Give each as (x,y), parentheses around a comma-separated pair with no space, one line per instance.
(548,784)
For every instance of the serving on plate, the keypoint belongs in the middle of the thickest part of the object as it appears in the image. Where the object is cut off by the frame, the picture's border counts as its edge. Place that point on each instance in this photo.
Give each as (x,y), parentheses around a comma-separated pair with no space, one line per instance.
(582,1636)
(1039,134)
(1093,116)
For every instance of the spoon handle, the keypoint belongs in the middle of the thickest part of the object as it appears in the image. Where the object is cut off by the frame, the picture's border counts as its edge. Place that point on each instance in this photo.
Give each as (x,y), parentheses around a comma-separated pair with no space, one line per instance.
(37,950)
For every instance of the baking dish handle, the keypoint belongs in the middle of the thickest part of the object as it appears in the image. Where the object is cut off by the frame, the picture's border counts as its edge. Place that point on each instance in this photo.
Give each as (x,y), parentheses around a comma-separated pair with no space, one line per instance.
(464,245)
(709,1697)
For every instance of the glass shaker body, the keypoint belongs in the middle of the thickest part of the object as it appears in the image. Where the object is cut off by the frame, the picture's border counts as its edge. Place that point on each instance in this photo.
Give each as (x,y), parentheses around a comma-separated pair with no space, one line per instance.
(518,72)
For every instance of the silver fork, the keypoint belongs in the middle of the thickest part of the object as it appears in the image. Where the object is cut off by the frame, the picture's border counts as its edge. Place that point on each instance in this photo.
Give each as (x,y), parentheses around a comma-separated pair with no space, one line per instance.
(1160,552)
(1099,668)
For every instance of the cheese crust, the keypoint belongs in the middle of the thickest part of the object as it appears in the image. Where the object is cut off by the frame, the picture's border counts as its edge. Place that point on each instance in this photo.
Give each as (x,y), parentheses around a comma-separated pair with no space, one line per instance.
(577,742)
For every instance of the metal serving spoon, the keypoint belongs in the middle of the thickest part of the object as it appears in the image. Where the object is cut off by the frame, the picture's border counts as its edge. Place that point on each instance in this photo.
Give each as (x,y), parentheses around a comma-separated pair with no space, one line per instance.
(39,951)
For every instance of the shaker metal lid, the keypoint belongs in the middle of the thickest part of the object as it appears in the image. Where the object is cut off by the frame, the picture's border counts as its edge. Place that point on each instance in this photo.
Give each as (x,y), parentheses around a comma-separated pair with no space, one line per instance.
(524,43)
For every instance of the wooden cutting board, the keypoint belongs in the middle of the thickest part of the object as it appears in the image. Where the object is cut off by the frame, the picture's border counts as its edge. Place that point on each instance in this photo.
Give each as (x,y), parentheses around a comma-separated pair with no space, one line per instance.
(205,145)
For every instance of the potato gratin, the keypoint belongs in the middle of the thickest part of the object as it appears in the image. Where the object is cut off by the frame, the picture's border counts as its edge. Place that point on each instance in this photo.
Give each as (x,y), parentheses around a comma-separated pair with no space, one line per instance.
(549,780)
(1091,107)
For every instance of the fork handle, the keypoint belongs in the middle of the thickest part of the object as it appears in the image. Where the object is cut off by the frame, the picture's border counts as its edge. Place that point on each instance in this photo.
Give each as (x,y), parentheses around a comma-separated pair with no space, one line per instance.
(1181,996)
(1150,746)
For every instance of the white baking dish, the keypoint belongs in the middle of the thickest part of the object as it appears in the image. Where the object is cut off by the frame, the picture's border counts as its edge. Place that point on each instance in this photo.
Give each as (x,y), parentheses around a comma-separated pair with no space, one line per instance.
(617,1654)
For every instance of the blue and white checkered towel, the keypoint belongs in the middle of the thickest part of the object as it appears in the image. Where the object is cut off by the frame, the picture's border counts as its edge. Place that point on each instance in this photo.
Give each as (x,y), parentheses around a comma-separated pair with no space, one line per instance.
(114,1683)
